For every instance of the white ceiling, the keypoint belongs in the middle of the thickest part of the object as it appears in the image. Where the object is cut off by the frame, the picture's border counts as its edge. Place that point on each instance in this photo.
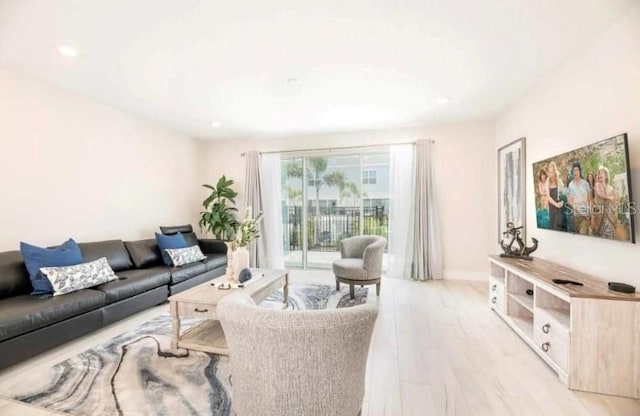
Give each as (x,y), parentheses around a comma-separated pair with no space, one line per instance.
(360,64)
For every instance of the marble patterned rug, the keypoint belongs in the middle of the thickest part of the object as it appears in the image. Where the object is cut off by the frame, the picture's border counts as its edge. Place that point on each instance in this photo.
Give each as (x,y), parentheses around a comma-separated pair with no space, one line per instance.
(137,373)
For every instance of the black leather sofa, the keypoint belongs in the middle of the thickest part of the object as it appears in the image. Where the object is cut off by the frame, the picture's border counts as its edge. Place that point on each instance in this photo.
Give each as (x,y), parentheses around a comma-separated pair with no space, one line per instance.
(30,325)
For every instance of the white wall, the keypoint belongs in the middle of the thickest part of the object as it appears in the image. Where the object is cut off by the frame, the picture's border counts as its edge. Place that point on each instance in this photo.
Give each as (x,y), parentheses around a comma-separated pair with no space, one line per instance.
(594,95)
(72,167)
(462,153)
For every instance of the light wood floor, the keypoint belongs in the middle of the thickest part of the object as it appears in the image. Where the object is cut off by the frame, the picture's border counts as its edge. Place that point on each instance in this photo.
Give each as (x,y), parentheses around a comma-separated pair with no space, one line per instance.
(437,349)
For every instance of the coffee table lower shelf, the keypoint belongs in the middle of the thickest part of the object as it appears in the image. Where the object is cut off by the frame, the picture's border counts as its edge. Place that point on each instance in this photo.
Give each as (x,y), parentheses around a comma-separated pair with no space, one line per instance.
(207,336)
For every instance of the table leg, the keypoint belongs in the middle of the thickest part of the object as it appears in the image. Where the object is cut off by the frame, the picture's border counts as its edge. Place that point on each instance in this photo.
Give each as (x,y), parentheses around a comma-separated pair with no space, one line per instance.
(176,325)
(285,289)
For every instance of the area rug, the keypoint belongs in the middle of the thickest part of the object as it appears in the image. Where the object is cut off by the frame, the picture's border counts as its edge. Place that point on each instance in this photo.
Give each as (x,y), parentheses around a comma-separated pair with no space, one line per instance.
(137,373)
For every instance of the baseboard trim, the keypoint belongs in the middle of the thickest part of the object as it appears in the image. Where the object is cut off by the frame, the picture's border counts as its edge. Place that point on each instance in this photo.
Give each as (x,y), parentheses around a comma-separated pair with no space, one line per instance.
(465,275)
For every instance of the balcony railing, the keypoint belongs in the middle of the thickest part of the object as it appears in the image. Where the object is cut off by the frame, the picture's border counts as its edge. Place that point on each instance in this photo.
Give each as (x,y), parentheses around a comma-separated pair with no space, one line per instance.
(327,227)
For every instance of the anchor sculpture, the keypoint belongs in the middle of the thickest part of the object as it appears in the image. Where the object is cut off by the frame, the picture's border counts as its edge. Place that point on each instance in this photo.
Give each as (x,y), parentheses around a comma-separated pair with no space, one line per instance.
(521,251)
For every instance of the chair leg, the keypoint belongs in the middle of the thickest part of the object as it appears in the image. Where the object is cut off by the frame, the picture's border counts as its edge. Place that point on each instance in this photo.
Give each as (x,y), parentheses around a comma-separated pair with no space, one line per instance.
(352,291)
(378,289)
(337,285)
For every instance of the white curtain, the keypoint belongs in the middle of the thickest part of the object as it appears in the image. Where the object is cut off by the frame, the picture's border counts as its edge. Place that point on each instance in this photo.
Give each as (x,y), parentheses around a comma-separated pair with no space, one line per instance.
(252,196)
(262,194)
(401,195)
(427,245)
(270,247)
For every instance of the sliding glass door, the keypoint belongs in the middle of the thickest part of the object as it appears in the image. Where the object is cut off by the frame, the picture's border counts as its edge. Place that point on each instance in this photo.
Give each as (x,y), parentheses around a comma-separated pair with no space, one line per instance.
(292,203)
(328,197)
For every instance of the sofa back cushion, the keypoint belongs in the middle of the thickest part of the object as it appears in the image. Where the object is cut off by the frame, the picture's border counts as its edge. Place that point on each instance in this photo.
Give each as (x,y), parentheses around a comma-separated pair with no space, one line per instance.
(186,231)
(144,253)
(14,278)
(114,250)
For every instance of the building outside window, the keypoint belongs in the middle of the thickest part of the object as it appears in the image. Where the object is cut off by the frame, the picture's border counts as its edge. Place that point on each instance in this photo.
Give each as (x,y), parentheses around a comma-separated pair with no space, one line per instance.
(369,177)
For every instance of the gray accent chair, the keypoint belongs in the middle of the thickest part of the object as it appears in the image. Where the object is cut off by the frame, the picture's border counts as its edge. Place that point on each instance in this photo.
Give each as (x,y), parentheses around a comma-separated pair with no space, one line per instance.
(361,262)
(296,363)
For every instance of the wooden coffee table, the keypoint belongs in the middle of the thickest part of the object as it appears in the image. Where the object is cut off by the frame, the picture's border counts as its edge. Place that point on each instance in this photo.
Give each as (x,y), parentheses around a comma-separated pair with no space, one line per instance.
(201,302)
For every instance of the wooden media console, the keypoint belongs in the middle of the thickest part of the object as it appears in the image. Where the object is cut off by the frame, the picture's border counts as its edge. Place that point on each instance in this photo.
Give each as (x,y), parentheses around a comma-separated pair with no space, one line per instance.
(588,334)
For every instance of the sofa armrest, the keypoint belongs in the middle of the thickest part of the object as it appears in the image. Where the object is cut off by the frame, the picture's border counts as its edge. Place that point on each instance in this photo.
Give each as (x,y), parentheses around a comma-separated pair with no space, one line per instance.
(212,246)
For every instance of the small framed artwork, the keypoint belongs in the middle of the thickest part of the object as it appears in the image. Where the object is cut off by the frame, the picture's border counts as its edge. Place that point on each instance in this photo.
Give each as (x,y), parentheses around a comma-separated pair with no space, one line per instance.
(511,187)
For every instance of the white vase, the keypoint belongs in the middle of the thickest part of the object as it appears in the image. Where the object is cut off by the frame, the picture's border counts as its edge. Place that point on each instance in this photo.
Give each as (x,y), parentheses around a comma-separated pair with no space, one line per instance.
(229,272)
(240,261)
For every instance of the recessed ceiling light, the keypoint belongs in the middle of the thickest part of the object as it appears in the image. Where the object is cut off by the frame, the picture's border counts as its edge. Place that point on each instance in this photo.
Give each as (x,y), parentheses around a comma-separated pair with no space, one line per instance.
(216,124)
(443,100)
(68,51)
(292,80)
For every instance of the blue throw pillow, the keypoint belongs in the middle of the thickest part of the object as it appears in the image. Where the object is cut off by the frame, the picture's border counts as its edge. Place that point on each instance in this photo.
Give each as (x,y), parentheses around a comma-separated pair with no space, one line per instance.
(68,254)
(170,241)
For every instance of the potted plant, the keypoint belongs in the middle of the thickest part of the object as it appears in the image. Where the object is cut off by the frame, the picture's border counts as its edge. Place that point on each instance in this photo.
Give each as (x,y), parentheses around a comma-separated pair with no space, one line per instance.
(247,232)
(219,214)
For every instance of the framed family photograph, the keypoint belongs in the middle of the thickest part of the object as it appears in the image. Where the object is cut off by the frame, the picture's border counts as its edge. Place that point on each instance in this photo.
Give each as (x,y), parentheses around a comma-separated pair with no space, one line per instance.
(511,187)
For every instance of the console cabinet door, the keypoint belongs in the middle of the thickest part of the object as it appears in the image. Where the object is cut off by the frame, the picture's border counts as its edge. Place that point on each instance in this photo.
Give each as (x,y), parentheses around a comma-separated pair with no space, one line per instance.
(496,295)
(551,338)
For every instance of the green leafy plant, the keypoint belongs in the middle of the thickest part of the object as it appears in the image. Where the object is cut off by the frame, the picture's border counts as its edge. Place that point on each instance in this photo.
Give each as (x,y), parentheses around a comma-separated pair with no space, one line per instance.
(219,214)
(248,229)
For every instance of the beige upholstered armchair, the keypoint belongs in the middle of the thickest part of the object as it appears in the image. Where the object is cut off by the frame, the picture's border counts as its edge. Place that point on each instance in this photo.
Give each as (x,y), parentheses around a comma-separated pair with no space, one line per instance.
(361,262)
(296,363)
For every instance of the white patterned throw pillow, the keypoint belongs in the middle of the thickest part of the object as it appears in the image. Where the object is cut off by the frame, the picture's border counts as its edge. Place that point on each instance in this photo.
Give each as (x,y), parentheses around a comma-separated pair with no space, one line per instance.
(69,279)
(182,256)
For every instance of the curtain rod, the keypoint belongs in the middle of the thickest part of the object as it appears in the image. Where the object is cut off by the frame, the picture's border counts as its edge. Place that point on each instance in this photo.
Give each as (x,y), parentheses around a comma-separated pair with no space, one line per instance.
(334,148)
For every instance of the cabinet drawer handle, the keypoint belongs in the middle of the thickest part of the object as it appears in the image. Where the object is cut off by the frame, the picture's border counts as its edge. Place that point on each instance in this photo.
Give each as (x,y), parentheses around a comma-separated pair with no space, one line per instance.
(545,347)
(201,310)
(494,287)
(545,328)
(494,299)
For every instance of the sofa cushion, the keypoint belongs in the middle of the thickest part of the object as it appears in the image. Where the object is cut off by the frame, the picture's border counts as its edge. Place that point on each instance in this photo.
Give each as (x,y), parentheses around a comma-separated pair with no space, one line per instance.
(35,258)
(214,261)
(81,276)
(114,250)
(133,282)
(186,231)
(191,239)
(211,246)
(14,278)
(25,313)
(182,273)
(169,241)
(144,253)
